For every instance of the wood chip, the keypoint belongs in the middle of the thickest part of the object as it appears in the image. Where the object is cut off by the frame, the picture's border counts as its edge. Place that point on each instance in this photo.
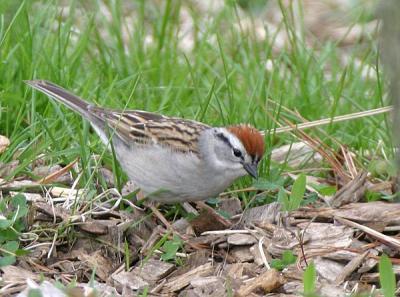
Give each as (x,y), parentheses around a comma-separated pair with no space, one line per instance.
(153,270)
(130,280)
(268,281)
(377,211)
(261,214)
(57,211)
(241,254)
(351,192)
(327,235)
(31,197)
(182,226)
(152,240)
(17,185)
(101,265)
(194,260)
(369,263)
(241,239)
(258,258)
(15,274)
(235,270)
(179,282)
(97,227)
(211,286)
(204,281)
(349,268)
(328,269)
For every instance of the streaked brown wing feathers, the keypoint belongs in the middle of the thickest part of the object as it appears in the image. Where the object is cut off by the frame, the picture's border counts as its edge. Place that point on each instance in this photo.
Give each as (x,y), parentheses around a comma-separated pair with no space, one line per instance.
(142,127)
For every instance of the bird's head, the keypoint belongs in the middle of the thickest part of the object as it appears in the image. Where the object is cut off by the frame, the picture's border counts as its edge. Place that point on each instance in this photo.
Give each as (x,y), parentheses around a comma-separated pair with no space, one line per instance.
(237,149)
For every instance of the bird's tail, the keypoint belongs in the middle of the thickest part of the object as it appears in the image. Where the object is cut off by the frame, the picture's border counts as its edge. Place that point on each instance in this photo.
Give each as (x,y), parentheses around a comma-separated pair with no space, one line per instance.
(60,94)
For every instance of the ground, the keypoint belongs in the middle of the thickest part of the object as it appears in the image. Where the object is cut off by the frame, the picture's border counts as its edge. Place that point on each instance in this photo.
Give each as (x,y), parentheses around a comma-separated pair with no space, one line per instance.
(321,218)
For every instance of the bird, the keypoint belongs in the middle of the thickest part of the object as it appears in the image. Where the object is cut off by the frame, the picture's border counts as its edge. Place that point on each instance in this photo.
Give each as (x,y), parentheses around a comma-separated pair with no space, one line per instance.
(169,159)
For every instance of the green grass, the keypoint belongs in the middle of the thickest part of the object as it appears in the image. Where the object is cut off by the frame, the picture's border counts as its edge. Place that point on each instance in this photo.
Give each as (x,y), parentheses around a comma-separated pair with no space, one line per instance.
(222,81)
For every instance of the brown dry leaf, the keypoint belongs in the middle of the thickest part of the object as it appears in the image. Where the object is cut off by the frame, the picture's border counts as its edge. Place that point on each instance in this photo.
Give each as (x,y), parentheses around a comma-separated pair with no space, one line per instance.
(209,220)
(53,176)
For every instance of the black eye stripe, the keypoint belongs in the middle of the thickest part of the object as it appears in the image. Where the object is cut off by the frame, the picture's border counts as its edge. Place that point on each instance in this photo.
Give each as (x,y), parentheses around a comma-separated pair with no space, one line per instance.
(236,152)
(224,139)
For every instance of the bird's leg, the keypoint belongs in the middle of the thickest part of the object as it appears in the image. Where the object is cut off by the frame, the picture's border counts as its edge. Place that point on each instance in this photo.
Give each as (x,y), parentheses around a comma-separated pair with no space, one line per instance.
(153,207)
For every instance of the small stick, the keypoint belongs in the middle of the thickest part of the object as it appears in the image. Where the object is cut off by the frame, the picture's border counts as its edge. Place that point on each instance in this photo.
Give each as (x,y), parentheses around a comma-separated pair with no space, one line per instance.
(322,122)
(390,241)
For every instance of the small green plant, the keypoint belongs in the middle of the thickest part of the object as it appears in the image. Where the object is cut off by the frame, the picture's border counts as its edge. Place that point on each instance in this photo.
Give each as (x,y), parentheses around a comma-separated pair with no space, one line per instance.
(293,201)
(325,190)
(309,279)
(387,277)
(13,210)
(145,292)
(170,248)
(287,259)
(35,293)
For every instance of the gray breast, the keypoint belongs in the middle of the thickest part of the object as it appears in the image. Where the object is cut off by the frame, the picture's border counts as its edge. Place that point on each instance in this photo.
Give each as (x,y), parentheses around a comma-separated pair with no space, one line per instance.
(171,176)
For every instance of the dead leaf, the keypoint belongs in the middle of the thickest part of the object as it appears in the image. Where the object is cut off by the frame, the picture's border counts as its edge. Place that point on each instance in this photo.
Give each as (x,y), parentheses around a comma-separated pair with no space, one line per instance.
(53,176)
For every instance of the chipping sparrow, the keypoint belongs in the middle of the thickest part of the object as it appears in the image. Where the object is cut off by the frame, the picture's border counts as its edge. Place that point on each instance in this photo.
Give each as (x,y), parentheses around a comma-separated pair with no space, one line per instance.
(170,159)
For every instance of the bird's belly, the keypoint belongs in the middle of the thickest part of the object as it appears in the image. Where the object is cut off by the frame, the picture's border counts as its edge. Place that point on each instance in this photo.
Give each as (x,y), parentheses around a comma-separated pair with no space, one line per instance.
(168,176)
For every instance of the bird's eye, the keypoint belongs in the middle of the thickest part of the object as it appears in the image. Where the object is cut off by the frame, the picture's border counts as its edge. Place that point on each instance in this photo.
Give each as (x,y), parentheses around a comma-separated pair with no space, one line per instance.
(237,153)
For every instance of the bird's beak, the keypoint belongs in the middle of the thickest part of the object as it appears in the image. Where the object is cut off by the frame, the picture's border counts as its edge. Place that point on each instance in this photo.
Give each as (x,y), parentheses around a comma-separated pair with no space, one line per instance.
(251,169)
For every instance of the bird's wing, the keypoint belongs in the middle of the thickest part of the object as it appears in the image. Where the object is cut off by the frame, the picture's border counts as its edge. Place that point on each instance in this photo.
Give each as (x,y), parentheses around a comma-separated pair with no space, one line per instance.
(141,127)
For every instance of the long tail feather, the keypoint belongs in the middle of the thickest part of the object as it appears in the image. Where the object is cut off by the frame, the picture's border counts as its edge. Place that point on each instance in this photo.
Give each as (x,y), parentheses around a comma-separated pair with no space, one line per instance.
(60,94)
